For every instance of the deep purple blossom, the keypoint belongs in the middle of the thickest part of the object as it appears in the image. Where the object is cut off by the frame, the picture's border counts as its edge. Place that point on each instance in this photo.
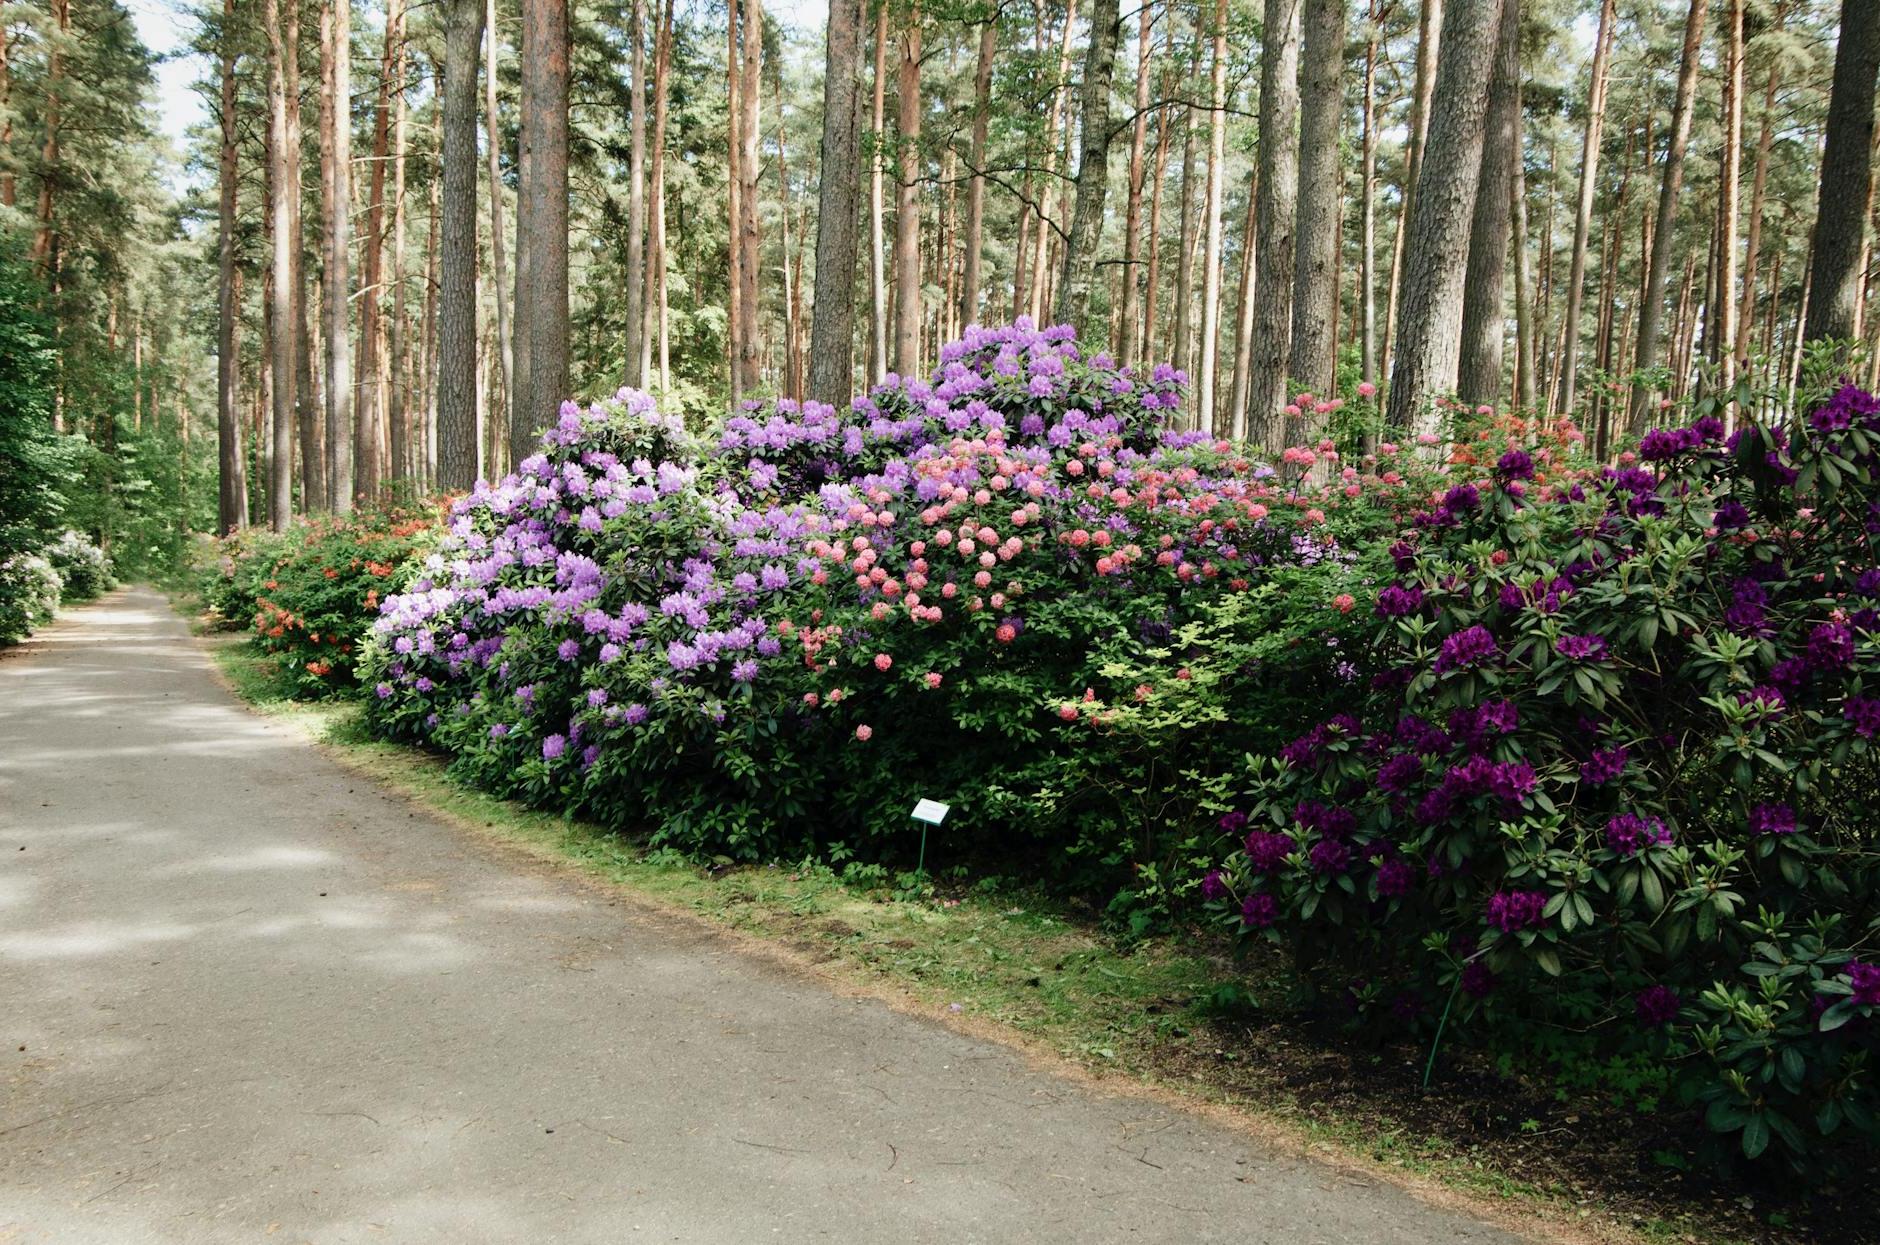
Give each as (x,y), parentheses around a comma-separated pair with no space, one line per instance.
(1772,819)
(1628,834)
(1259,910)
(1510,911)
(1472,646)
(1656,1006)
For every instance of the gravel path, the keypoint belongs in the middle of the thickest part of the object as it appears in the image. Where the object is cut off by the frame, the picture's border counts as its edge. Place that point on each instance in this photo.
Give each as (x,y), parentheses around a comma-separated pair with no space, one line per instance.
(246,996)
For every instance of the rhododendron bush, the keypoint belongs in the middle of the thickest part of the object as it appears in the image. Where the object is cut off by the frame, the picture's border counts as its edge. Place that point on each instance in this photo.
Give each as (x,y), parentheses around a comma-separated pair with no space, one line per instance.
(966,588)
(310,594)
(1613,771)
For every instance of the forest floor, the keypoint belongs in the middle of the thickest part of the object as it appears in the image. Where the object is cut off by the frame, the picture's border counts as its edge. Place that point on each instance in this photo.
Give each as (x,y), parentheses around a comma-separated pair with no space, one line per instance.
(251,992)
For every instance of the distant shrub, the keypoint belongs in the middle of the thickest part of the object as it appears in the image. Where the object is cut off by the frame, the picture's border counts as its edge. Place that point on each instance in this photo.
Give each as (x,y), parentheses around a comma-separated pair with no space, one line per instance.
(84,570)
(310,593)
(29,595)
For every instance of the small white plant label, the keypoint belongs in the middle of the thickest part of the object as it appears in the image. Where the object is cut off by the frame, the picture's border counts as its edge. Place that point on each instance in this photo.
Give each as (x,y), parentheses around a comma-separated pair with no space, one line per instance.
(933,812)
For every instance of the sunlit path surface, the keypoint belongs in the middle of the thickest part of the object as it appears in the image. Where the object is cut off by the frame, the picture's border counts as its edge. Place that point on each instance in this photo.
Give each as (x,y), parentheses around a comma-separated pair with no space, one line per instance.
(245,997)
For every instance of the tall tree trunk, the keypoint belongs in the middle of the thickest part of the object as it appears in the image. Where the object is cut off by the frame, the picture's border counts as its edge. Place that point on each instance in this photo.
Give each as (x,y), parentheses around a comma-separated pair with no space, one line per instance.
(349,432)
(9,181)
(1367,258)
(493,145)
(1429,44)
(1314,349)
(542,214)
(1243,315)
(1131,301)
(1185,250)
(832,334)
(877,269)
(1484,294)
(1040,261)
(656,267)
(1093,174)
(1765,141)
(1658,264)
(976,188)
(734,204)
(749,164)
(1208,410)
(1840,222)
(1276,264)
(1729,180)
(1524,318)
(1583,220)
(307,398)
(45,238)
(457,254)
(231,478)
(1430,315)
(907,202)
(405,459)
(636,197)
(1152,285)
(282,187)
(372,399)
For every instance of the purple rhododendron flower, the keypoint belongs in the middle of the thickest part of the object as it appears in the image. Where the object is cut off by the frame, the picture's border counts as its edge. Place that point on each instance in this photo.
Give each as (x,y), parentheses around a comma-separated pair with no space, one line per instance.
(1509,911)
(553,747)
(1395,877)
(1606,765)
(1656,1006)
(1330,856)
(1772,819)
(1267,851)
(1259,910)
(1629,834)
(1864,713)
(1865,978)
(1581,647)
(1212,886)
(1470,647)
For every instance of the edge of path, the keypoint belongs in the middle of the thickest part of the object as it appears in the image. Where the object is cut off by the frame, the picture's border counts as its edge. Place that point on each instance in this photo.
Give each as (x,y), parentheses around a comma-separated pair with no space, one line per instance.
(403,773)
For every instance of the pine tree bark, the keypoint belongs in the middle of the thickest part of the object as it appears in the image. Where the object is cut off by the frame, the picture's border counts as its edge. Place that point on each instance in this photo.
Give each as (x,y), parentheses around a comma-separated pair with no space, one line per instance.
(1314,350)
(1840,223)
(1181,326)
(406,460)
(734,205)
(373,399)
(1144,352)
(1484,294)
(1208,410)
(1429,321)
(1037,300)
(636,197)
(656,266)
(1093,174)
(307,400)
(45,237)
(1130,310)
(832,333)
(1524,319)
(1658,264)
(974,245)
(231,476)
(1275,266)
(1752,250)
(1583,219)
(750,363)
(1367,258)
(493,147)
(457,254)
(877,263)
(1729,181)
(907,202)
(351,436)
(1243,315)
(542,214)
(282,186)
